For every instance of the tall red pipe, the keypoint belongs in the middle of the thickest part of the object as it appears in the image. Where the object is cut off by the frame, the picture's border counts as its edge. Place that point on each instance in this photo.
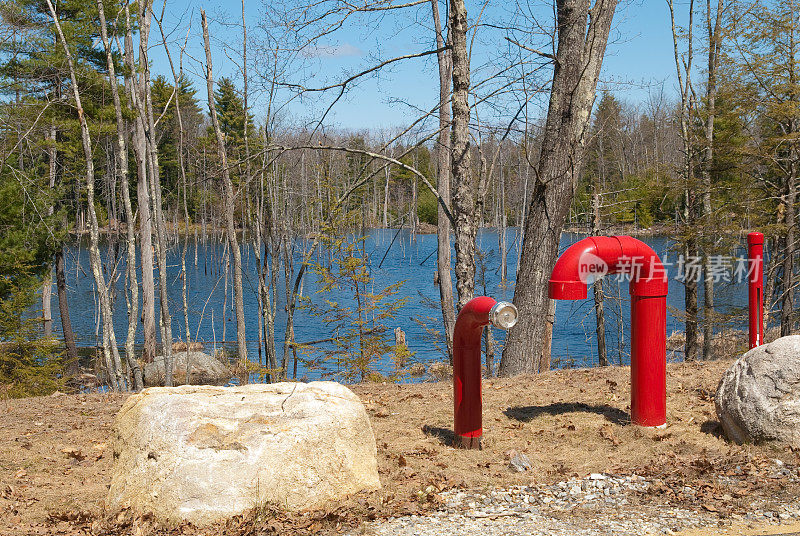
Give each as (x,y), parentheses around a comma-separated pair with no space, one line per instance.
(599,255)
(467,398)
(755,279)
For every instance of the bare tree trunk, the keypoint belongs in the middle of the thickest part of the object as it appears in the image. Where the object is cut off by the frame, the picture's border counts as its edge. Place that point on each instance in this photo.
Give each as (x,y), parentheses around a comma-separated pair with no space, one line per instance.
(229,202)
(600,317)
(165,319)
(291,301)
(548,336)
(110,350)
(463,180)
(143,203)
(503,225)
(443,261)
(579,57)
(690,248)
(385,198)
(47,308)
(714,43)
(132,300)
(63,309)
(789,247)
(47,283)
(177,78)
(790,216)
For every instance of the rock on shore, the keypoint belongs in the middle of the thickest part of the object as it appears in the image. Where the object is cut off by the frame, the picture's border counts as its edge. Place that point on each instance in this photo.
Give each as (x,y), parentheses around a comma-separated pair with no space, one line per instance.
(201,453)
(758,398)
(202,369)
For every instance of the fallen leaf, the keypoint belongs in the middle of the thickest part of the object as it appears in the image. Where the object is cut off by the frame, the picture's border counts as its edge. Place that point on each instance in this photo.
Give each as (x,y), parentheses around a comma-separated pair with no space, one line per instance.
(74,453)
(607,433)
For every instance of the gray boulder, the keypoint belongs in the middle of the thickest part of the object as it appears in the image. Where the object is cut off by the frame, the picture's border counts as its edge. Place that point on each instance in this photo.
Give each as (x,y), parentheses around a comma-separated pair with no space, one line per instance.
(203,370)
(203,453)
(758,398)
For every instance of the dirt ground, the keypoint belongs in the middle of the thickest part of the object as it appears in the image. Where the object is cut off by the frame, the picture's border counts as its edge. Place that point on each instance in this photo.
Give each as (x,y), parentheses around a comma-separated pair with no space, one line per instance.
(55,452)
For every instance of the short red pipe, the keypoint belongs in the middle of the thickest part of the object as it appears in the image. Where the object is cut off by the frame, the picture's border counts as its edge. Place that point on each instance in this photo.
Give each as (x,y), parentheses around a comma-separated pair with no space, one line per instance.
(467,398)
(755,279)
(599,255)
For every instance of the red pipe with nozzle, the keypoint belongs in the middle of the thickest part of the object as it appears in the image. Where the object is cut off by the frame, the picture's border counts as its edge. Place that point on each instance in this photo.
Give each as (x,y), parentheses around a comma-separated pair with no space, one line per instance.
(755,280)
(467,398)
(596,256)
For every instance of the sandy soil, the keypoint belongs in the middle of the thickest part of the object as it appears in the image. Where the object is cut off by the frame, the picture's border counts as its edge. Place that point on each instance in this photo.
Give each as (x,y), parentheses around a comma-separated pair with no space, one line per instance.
(55,454)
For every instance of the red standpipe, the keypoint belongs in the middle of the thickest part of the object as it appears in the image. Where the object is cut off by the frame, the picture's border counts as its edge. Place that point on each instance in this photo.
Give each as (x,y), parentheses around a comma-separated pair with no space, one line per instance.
(598,255)
(467,398)
(755,279)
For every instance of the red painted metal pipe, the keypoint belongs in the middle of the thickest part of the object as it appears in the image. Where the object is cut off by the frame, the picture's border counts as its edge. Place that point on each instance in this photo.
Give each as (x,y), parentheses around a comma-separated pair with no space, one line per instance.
(467,398)
(755,280)
(597,256)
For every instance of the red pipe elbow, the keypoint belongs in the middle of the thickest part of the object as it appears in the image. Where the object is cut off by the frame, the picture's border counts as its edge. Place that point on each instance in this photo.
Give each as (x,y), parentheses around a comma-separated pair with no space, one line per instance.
(467,397)
(596,256)
(755,284)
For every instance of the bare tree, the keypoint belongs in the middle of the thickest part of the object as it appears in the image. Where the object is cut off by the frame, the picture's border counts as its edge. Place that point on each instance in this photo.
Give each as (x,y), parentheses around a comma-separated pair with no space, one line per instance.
(135,92)
(177,77)
(582,36)
(463,180)
(683,67)
(714,29)
(121,155)
(229,200)
(153,169)
(110,349)
(443,155)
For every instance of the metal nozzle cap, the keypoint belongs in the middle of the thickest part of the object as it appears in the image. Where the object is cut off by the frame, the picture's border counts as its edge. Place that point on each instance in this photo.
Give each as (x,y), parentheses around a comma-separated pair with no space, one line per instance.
(503,315)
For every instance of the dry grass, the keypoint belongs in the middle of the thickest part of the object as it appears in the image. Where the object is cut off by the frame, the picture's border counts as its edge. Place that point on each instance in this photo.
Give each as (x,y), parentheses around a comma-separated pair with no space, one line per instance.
(55,457)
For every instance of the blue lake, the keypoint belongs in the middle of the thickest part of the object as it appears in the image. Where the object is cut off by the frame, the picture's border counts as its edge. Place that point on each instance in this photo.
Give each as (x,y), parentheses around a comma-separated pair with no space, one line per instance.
(411,259)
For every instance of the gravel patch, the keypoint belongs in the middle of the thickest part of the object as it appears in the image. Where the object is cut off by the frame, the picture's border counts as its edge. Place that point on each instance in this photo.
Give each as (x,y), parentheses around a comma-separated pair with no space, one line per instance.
(594,505)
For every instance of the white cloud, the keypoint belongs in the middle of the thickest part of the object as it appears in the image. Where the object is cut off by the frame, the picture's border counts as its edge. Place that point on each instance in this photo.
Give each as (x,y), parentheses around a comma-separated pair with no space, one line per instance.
(338,51)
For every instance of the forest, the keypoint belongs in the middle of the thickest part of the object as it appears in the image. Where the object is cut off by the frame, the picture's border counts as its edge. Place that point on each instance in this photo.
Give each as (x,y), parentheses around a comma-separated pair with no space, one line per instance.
(98,148)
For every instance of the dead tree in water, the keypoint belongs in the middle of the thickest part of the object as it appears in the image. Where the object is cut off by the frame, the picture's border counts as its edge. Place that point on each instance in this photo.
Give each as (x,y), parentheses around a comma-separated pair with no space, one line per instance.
(177,78)
(142,197)
(229,200)
(144,103)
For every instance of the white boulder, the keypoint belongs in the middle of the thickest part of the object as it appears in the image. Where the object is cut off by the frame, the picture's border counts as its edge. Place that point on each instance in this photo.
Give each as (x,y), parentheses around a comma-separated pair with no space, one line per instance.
(202,369)
(202,453)
(758,398)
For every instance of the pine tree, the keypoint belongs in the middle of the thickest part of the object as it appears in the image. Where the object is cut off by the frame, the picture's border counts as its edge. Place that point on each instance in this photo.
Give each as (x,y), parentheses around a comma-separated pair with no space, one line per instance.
(230,109)
(29,365)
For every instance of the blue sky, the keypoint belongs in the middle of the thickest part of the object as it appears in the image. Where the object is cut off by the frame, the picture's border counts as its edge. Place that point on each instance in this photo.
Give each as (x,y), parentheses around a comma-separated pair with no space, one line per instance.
(639,59)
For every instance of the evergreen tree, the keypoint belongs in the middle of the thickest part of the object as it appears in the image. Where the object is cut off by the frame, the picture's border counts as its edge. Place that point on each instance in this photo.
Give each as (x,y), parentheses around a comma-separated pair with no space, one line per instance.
(168,135)
(29,365)
(230,108)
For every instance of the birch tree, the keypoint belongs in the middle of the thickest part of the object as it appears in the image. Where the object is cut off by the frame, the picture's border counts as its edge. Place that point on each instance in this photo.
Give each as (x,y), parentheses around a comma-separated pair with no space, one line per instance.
(110,348)
(230,195)
(121,155)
